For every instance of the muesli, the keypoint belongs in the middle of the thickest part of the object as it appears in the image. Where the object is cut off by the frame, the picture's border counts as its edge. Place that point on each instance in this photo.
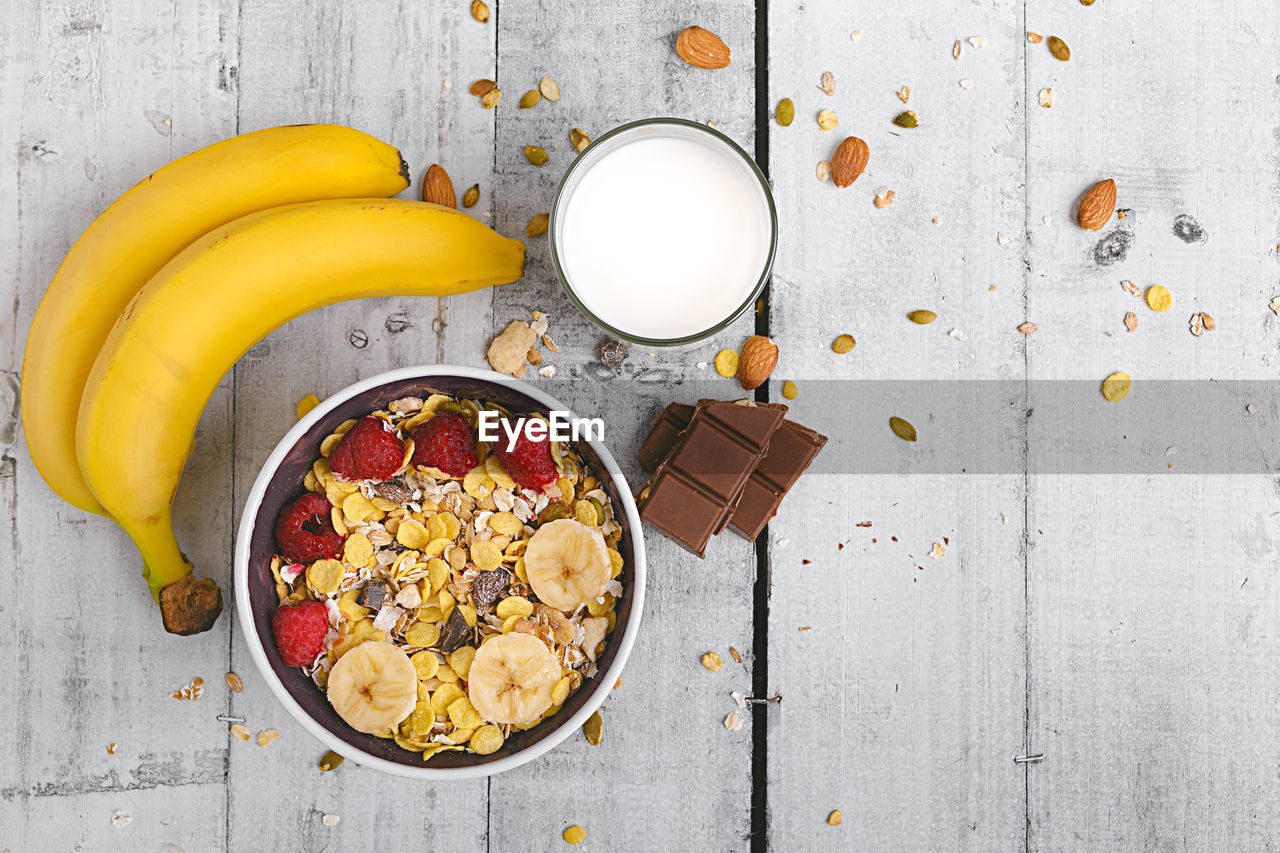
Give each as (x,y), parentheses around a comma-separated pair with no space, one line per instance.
(445,591)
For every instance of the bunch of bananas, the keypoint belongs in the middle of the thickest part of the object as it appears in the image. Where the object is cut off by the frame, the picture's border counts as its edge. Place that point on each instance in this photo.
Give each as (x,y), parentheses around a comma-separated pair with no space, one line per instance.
(186,272)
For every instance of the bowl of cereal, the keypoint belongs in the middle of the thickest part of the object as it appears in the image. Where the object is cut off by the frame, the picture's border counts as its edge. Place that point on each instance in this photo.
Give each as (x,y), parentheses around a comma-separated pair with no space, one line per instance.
(429,583)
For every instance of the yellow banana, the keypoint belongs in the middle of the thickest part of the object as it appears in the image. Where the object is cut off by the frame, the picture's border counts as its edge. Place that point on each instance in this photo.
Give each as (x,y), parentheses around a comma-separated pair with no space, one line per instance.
(208,306)
(138,234)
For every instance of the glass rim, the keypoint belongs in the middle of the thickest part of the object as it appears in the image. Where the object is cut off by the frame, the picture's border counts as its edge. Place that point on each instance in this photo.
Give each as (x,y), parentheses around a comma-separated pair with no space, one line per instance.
(765,272)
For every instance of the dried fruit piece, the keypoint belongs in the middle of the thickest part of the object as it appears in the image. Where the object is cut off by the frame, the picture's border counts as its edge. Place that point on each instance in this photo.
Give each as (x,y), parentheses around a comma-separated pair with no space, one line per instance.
(758,359)
(491,98)
(1116,387)
(549,89)
(579,140)
(922,318)
(1059,48)
(537,225)
(849,161)
(1158,298)
(437,188)
(786,112)
(1027,328)
(330,760)
(789,390)
(483,87)
(834,818)
(530,99)
(827,119)
(843,344)
(712,661)
(613,352)
(1131,321)
(828,85)
(593,728)
(471,196)
(480,11)
(535,155)
(1045,98)
(1097,205)
(902,429)
(702,49)
(727,363)
(907,119)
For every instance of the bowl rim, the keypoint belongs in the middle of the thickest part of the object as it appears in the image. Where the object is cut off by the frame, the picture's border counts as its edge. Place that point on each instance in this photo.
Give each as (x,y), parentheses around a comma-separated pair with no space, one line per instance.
(244,611)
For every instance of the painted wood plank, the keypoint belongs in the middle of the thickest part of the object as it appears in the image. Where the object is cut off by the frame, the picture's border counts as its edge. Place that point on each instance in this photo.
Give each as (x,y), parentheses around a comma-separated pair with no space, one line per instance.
(667,773)
(902,702)
(92,104)
(395,71)
(1152,683)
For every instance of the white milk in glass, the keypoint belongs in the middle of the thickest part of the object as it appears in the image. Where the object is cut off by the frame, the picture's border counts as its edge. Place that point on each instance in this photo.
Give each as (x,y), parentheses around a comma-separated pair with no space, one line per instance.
(665,236)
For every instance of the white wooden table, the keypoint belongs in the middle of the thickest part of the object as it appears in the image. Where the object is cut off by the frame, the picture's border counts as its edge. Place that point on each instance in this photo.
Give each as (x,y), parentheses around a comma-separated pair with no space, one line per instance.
(1121,627)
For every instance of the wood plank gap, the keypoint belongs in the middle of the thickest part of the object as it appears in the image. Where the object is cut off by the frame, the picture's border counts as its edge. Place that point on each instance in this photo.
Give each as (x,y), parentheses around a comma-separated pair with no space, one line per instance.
(1025,546)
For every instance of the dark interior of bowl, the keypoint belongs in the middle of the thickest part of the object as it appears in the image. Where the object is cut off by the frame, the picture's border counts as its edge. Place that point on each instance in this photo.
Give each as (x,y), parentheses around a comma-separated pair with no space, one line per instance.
(287,485)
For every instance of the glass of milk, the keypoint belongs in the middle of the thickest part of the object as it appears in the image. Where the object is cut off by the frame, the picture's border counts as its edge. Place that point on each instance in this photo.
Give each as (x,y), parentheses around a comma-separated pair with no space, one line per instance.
(663,232)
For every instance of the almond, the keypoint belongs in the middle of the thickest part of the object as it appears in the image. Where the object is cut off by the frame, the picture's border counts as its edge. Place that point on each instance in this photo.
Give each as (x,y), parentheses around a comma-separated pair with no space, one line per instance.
(437,188)
(1097,205)
(701,48)
(758,359)
(849,161)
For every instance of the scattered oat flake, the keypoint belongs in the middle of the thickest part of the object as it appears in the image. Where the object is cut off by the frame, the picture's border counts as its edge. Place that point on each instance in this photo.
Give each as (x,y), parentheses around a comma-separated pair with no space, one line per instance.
(1034,38)
(239,732)
(904,93)
(120,820)
(111,749)
(1209,325)
(957,334)
(855,35)
(1028,328)
(805,629)
(740,698)
(828,84)
(978,41)
(1002,238)
(550,344)
(1132,289)
(824,171)
(1004,518)
(956,48)
(1201,323)
(734,721)
(267,737)
(966,83)
(1275,305)
(235,682)
(330,820)
(1045,98)
(1131,321)
(938,551)
(547,371)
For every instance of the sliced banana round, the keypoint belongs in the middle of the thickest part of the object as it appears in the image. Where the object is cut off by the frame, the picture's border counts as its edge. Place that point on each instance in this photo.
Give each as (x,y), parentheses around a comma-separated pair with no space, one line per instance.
(373,687)
(511,678)
(567,564)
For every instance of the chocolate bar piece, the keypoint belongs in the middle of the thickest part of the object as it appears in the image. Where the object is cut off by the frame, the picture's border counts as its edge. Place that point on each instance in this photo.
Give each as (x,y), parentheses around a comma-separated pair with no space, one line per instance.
(693,490)
(663,436)
(791,449)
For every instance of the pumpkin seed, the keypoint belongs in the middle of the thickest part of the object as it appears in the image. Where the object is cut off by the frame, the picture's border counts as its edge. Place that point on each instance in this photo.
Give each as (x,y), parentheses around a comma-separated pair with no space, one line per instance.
(786,112)
(579,140)
(479,11)
(843,344)
(535,155)
(471,196)
(902,429)
(491,98)
(530,98)
(537,225)
(1087,2)
(593,728)
(827,119)
(1059,48)
(549,89)
(922,318)
(330,760)
(907,119)
(481,87)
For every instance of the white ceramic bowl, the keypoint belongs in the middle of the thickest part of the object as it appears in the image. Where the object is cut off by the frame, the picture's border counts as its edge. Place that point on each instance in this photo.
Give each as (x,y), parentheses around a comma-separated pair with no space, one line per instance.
(281,480)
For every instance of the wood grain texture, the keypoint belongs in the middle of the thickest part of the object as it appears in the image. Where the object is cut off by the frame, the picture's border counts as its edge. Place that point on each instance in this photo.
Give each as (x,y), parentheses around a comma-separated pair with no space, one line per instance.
(902,702)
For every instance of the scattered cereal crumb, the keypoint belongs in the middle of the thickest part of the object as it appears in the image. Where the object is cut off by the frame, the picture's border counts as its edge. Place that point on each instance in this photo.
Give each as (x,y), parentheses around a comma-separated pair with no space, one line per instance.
(904,93)
(712,661)
(120,820)
(784,542)
(1002,238)
(1201,323)
(1132,289)
(884,198)
(936,220)
(740,698)
(702,365)
(1045,98)
(540,320)
(835,818)
(938,551)
(547,372)
(966,83)
(991,288)
(805,629)
(448,84)
(1251,408)
(1034,38)
(828,84)
(823,170)
(734,721)
(507,351)
(1047,219)
(574,835)
(550,344)
(191,692)
(111,749)
(956,48)
(305,405)
(1004,518)
(1275,305)
(1028,328)
(239,732)
(978,41)
(235,682)
(855,35)
(617,683)
(957,334)
(330,820)
(737,656)
(1131,321)
(267,737)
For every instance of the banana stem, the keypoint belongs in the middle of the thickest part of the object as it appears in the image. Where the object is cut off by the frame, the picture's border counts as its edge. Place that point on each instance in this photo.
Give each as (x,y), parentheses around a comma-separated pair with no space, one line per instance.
(187,605)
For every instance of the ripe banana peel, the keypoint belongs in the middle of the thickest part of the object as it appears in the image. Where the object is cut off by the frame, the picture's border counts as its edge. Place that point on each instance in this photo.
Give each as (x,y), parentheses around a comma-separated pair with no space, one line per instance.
(139,233)
(217,298)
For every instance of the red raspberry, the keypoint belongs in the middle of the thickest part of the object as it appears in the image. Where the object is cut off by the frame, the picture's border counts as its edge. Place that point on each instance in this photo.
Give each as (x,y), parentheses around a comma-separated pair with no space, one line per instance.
(446,442)
(300,630)
(369,451)
(529,463)
(304,530)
